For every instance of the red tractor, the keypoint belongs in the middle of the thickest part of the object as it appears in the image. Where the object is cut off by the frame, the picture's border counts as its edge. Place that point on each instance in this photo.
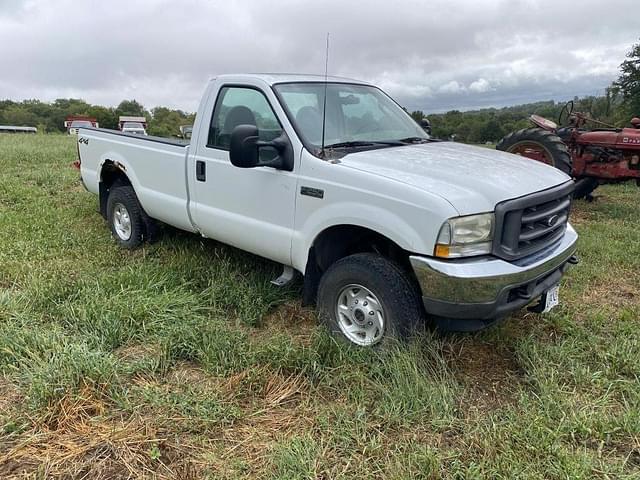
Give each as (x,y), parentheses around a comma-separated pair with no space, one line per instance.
(606,154)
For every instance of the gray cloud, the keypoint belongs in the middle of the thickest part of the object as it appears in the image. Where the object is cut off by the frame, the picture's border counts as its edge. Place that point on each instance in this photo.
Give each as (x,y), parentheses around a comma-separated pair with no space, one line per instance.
(435,55)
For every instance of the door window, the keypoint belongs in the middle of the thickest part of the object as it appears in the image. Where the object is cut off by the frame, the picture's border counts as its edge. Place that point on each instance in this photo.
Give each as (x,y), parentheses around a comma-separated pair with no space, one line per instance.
(243,106)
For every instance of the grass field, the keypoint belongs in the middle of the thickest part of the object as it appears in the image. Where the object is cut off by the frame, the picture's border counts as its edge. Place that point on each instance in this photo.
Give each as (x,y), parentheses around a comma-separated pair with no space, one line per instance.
(179,360)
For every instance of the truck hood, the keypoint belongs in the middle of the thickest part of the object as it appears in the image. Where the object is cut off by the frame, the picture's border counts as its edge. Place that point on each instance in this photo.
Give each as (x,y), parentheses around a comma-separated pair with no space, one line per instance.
(472,179)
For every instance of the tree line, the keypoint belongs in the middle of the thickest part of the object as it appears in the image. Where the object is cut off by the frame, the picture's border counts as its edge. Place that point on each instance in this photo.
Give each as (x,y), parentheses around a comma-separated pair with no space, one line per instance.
(491,124)
(49,117)
(619,104)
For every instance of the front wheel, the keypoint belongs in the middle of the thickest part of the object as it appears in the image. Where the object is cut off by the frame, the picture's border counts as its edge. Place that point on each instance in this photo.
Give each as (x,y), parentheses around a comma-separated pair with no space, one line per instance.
(365,299)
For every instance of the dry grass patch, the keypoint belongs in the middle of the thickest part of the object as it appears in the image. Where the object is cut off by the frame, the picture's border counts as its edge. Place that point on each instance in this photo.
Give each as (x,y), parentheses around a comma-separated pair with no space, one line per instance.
(133,353)
(79,439)
(278,412)
(252,440)
(257,385)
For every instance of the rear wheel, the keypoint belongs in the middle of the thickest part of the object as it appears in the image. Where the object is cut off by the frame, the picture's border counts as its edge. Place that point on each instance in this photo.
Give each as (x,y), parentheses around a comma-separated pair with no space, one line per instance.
(538,144)
(366,298)
(125,217)
(546,147)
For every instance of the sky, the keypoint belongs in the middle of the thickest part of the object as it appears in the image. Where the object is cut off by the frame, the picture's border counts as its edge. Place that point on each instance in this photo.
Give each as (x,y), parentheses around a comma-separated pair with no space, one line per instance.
(432,55)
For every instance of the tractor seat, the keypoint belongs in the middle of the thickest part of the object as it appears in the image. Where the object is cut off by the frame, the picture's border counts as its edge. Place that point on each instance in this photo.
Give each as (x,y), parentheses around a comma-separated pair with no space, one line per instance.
(564,132)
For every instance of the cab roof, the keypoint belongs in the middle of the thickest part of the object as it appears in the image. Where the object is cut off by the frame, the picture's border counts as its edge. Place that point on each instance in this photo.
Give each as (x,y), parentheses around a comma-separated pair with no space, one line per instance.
(275,78)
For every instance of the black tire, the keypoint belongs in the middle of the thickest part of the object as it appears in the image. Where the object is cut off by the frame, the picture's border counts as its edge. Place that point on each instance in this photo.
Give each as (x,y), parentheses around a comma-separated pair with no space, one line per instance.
(398,295)
(125,197)
(557,151)
(584,187)
(550,142)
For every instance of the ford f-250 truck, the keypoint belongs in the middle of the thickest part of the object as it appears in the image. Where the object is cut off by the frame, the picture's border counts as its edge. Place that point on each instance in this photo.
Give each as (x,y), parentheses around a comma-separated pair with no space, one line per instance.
(387,226)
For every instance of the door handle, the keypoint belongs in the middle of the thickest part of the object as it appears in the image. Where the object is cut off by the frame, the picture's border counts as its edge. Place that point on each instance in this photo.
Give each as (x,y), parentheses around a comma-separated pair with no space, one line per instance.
(201,171)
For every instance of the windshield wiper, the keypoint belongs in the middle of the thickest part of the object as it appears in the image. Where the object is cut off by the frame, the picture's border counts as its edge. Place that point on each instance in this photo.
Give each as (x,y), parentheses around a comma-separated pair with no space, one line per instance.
(362,143)
(414,140)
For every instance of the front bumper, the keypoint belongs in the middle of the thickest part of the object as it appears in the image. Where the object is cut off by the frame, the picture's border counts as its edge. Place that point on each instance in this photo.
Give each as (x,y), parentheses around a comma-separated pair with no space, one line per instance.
(470,294)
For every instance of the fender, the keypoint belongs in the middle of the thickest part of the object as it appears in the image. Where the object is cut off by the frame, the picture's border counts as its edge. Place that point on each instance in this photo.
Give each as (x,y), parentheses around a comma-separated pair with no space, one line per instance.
(121,164)
(358,214)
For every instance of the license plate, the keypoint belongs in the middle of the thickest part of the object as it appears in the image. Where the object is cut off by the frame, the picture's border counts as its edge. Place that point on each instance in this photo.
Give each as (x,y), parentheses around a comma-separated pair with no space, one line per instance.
(552,298)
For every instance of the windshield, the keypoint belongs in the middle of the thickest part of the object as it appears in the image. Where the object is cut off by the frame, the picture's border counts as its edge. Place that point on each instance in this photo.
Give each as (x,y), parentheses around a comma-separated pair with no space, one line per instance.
(132,125)
(356,115)
(81,123)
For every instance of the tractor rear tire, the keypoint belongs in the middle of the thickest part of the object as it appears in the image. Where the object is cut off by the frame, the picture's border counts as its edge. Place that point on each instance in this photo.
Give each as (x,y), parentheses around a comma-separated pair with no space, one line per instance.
(555,149)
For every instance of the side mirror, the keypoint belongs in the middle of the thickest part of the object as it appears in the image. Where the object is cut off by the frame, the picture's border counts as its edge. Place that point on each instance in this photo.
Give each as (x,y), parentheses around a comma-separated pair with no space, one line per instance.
(426,125)
(245,145)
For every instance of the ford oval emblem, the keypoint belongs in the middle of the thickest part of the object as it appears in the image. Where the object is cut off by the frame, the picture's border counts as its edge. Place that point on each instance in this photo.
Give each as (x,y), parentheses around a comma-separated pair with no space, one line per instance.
(551,221)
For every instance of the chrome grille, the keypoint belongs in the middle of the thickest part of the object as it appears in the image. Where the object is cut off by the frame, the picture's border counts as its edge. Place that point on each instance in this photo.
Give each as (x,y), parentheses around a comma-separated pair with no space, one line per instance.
(528,224)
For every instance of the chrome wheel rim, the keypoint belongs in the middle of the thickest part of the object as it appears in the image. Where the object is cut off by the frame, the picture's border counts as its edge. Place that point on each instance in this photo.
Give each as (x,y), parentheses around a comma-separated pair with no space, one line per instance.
(122,221)
(360,315)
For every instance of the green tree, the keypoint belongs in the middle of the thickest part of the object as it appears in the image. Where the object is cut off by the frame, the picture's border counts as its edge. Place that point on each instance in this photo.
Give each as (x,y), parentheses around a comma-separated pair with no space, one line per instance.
(20,115)
(105,116)
(491,131)
(131,108)
(628,82)
(417,115)
(166,122)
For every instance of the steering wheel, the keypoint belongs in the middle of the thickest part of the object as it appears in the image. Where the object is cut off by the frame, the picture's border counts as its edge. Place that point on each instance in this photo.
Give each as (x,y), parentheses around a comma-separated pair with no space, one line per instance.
(566,112)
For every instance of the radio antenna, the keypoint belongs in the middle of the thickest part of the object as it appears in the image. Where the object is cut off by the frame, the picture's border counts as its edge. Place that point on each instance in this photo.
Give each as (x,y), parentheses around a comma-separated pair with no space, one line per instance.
(324,107)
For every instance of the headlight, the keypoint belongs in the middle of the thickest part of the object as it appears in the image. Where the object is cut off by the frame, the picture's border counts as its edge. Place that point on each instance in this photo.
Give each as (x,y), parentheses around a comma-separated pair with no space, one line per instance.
(465,236)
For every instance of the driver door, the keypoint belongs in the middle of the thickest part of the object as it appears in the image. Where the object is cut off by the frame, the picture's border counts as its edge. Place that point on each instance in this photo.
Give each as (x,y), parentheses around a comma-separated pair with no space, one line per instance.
(252,208)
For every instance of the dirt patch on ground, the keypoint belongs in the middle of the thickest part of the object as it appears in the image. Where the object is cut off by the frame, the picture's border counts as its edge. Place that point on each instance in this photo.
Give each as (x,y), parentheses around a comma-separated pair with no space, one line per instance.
(9,286)
(489,374)
(10,395)
(292,319)
(581,217)
(616,290)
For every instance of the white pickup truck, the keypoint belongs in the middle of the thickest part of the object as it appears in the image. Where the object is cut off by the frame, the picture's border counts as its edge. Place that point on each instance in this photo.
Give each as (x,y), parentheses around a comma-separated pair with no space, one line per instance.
(388,226)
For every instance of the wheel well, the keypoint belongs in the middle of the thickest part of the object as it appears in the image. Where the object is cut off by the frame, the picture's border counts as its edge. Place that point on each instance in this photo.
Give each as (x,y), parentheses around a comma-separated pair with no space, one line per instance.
(341,241)
(113,173)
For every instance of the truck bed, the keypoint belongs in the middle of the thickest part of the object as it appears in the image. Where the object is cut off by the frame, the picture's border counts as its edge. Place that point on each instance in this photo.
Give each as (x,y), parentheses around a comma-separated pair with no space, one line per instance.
(179,142)
(156,167)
